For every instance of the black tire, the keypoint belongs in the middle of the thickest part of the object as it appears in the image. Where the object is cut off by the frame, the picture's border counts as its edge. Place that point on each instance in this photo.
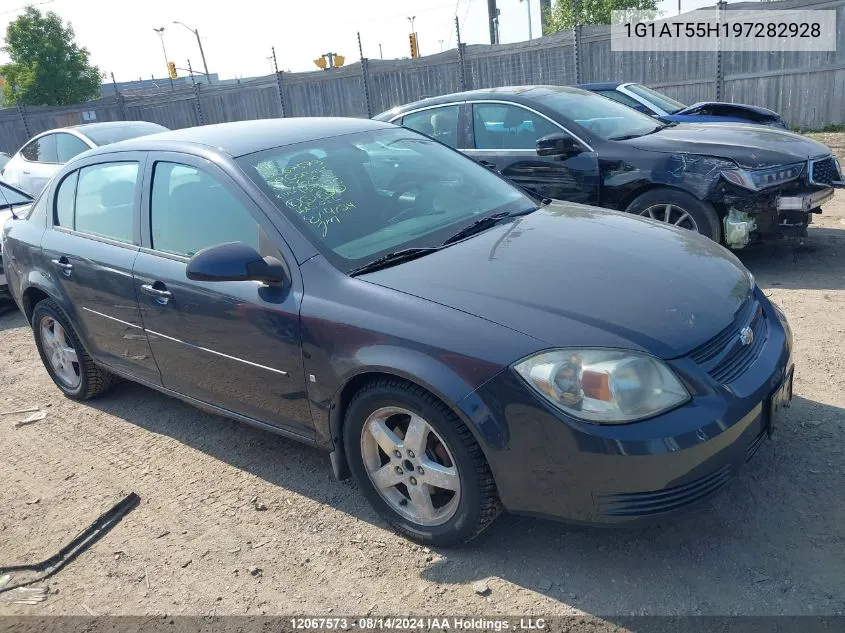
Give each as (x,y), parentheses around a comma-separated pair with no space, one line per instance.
(479,501)
(94,381)
(703,213)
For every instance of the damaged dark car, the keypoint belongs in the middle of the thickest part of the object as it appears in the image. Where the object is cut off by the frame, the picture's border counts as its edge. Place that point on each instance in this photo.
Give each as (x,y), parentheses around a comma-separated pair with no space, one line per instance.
(736,184)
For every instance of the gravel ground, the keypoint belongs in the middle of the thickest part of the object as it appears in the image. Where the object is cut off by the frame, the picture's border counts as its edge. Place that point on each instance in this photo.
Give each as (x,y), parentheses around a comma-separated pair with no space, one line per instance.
(234,520)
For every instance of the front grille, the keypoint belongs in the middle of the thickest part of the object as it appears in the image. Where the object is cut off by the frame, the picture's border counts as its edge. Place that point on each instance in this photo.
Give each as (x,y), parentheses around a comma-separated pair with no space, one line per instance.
(824,171)
(725,357)
(741,358)
(659,501)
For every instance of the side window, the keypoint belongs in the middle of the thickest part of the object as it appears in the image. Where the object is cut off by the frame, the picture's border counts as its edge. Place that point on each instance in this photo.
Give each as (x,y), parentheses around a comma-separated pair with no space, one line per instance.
(621,98)
(190,210)
(105,200)
(65,196)
(501,126)
(438,123)
(30,150)
(47,149)
(68,146)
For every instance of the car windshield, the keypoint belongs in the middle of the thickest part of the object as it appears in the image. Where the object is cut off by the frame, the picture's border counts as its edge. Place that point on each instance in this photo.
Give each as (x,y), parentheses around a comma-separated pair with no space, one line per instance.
(667,104)
(113,133)
(360,196)
(10,197)
(603,117)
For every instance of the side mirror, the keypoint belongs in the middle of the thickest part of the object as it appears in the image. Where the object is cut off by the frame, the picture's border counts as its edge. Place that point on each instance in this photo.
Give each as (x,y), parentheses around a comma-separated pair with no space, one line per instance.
(557,144)
(234,261)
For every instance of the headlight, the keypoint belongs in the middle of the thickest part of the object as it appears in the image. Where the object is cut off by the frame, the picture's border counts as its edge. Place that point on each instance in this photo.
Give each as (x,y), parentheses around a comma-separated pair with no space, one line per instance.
(757,179)
(603,385)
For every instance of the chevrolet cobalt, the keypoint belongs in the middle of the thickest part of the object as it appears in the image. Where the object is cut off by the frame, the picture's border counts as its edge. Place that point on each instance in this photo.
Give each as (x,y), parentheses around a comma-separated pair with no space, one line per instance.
(456,345)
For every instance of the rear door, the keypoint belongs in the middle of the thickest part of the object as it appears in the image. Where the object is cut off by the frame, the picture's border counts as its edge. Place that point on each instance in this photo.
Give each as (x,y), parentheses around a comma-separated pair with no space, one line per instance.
(90,247)
(505,138)
(233,344)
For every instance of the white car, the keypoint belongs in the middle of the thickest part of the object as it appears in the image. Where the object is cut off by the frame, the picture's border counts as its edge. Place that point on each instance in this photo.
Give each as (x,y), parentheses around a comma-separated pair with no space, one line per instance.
(36,162)
(13,203)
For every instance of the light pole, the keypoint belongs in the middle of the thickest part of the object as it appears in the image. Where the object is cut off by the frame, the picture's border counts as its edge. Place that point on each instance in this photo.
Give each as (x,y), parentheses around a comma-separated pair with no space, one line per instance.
(441,45)
(528,3)
(199,42)
(164,50)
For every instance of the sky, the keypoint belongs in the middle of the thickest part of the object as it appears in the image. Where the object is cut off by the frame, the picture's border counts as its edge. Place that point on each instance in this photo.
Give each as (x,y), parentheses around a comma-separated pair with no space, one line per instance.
(237,36)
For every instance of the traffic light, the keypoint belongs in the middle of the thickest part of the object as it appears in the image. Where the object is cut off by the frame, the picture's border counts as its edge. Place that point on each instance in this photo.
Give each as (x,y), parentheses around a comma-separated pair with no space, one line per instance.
(338,61)
(171,69)
(321,63)
(415,51)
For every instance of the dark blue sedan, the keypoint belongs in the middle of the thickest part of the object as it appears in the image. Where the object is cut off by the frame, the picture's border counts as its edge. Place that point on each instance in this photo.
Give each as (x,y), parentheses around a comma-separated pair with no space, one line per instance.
(456,345)
(657,104)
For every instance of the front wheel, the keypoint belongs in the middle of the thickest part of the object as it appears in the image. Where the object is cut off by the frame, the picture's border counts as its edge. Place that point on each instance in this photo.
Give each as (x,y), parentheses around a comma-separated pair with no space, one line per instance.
(679,209)
(418,464)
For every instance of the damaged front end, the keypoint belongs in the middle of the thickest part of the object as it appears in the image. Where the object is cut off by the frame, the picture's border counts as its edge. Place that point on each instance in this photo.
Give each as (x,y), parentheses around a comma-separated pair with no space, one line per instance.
(774,202)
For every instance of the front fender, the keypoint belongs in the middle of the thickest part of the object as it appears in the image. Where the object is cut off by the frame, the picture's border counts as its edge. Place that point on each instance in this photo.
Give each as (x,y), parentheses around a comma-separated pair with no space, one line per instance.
(444,381)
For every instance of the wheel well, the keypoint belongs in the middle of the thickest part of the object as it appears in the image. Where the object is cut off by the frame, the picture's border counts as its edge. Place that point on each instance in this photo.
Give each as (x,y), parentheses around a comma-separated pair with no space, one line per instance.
(31,297)
(623,205)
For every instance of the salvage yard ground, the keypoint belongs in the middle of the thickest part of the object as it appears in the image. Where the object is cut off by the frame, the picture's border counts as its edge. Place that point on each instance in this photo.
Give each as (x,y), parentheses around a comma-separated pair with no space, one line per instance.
(234,520)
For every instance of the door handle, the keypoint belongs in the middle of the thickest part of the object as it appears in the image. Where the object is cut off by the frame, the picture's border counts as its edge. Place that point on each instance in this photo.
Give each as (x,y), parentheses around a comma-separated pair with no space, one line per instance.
(63,263)
(487,164)
(25,172)
(161,295)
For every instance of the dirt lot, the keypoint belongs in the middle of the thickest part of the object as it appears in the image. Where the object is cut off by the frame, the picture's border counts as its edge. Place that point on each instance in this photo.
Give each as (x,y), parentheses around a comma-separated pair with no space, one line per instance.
(772,543)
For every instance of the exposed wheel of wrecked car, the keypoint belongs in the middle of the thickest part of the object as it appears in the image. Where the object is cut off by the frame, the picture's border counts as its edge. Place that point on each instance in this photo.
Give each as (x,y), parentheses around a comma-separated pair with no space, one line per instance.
(678,208)
(67,362)
(418,464)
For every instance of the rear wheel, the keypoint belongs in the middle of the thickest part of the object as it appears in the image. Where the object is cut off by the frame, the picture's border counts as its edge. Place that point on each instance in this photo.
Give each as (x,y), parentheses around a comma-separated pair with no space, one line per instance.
(67,362)
(418,465)
(679,209)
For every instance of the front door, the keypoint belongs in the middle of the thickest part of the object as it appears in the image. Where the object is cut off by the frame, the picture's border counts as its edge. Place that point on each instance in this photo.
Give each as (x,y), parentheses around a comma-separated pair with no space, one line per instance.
(505,138)
(90,251)
(233,344)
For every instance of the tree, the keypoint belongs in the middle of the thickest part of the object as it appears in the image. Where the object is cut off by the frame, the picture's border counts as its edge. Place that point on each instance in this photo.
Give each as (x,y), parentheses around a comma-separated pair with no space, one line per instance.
(562,15)
(47,67)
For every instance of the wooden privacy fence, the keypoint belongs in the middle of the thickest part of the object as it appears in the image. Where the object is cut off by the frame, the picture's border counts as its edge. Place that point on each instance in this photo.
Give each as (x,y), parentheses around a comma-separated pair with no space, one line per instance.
(807,88)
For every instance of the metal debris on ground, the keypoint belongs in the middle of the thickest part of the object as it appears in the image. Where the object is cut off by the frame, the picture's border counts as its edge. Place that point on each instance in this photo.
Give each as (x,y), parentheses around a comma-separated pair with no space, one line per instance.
(37,572)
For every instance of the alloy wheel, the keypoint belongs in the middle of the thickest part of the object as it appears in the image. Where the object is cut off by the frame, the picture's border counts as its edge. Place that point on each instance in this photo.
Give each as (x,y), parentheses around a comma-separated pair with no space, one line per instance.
(670,214)
(60,353)
(410,466)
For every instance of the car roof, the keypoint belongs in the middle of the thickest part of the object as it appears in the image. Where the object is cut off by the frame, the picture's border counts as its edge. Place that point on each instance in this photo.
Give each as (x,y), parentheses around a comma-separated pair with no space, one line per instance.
(607,85)
(102,125)
(245,137)
(517,94)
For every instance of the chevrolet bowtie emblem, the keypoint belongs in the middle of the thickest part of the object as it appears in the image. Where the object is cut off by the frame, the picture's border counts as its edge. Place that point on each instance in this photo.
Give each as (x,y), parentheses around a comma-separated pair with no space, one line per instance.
(746,335)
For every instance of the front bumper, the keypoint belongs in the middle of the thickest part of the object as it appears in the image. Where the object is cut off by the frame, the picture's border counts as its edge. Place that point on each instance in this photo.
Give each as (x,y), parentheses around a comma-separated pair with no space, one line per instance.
(805,201)
(551,465)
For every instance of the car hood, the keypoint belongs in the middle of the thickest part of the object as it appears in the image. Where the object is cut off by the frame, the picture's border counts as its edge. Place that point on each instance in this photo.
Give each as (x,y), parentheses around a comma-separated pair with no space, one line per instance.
(572,275)
(728,109)
(750,146)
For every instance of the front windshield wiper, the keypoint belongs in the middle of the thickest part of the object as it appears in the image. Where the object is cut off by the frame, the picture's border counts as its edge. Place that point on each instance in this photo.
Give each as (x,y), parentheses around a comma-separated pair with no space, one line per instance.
(486,222)
(625,137)
(393,258)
